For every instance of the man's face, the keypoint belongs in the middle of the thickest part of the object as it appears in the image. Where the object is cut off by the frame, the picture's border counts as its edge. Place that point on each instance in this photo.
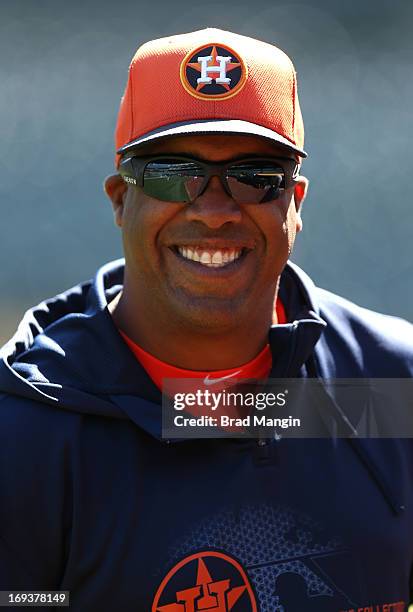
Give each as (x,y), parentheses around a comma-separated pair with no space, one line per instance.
(162,239)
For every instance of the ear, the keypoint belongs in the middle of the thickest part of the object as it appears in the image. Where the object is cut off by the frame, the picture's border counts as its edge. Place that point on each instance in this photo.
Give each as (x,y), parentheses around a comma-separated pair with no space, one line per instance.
(300,192)
(116,189)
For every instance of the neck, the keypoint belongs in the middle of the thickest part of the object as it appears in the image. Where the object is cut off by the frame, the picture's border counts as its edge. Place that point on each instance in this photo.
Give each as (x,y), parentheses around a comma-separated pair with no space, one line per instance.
(189,348)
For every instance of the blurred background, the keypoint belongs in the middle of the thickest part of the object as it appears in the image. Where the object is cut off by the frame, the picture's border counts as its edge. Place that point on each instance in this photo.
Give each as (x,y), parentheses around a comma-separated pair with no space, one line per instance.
(63,67)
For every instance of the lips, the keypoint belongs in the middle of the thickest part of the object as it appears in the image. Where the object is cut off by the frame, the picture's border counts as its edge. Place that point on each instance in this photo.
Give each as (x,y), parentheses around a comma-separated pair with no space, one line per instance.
(210,257)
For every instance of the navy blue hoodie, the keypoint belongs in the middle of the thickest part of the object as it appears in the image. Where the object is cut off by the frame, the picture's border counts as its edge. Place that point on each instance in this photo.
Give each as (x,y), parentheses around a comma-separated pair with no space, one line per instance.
(94,501)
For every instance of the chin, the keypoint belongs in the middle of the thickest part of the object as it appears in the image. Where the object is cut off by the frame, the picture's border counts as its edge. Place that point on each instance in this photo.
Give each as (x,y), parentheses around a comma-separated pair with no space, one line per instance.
(210,313)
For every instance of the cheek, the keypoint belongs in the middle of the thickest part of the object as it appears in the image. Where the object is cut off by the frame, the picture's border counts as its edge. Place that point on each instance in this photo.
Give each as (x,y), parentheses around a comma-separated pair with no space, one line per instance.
(133,235)
(278,226)
(289,220)
(290,226)
(143,221)
(280,219)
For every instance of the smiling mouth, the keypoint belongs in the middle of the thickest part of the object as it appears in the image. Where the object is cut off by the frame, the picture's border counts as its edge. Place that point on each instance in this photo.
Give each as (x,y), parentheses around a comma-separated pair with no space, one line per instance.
(211,258)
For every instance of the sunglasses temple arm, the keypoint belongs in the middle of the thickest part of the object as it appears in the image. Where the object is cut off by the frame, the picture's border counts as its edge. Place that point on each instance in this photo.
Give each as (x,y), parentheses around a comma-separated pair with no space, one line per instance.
(138,167)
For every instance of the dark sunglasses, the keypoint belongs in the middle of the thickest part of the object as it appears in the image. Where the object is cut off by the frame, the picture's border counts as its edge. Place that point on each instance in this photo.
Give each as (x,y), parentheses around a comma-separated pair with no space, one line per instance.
(183,179)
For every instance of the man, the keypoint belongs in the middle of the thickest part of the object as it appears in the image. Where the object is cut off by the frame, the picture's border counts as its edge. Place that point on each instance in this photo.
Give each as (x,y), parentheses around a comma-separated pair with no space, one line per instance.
(208,196)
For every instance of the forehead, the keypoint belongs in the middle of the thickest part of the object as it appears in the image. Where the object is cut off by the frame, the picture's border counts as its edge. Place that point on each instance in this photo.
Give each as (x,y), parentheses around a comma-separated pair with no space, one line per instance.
(216,147)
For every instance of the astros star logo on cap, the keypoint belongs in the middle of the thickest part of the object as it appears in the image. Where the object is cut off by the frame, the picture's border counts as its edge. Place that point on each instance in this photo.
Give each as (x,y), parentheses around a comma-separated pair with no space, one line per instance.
(213,72)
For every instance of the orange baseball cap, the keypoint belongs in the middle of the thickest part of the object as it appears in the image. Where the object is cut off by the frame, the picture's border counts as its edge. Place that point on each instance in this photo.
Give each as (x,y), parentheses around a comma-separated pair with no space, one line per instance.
(210,82)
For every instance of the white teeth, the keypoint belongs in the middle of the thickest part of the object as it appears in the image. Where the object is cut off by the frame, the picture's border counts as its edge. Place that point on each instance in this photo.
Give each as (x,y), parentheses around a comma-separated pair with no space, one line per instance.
(211,259)
(205,258)
(233,255)
(217,258)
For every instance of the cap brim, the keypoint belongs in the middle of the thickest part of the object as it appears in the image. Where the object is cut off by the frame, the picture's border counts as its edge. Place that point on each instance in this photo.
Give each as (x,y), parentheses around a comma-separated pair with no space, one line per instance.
(212,126)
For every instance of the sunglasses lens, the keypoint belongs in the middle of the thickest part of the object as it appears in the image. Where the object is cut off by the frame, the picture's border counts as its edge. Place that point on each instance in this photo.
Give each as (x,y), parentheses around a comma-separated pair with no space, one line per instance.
(254,184)
(173,180)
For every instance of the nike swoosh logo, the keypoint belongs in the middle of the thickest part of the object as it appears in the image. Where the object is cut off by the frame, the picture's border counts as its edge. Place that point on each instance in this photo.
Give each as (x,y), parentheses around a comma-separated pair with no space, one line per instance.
(214,381)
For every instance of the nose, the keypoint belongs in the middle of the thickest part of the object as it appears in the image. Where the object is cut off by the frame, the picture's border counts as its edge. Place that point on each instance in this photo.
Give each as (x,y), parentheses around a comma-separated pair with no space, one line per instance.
(214,207)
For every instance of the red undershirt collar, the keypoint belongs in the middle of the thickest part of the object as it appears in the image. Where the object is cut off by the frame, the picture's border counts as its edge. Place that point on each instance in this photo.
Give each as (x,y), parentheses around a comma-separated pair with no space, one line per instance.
(258,368)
